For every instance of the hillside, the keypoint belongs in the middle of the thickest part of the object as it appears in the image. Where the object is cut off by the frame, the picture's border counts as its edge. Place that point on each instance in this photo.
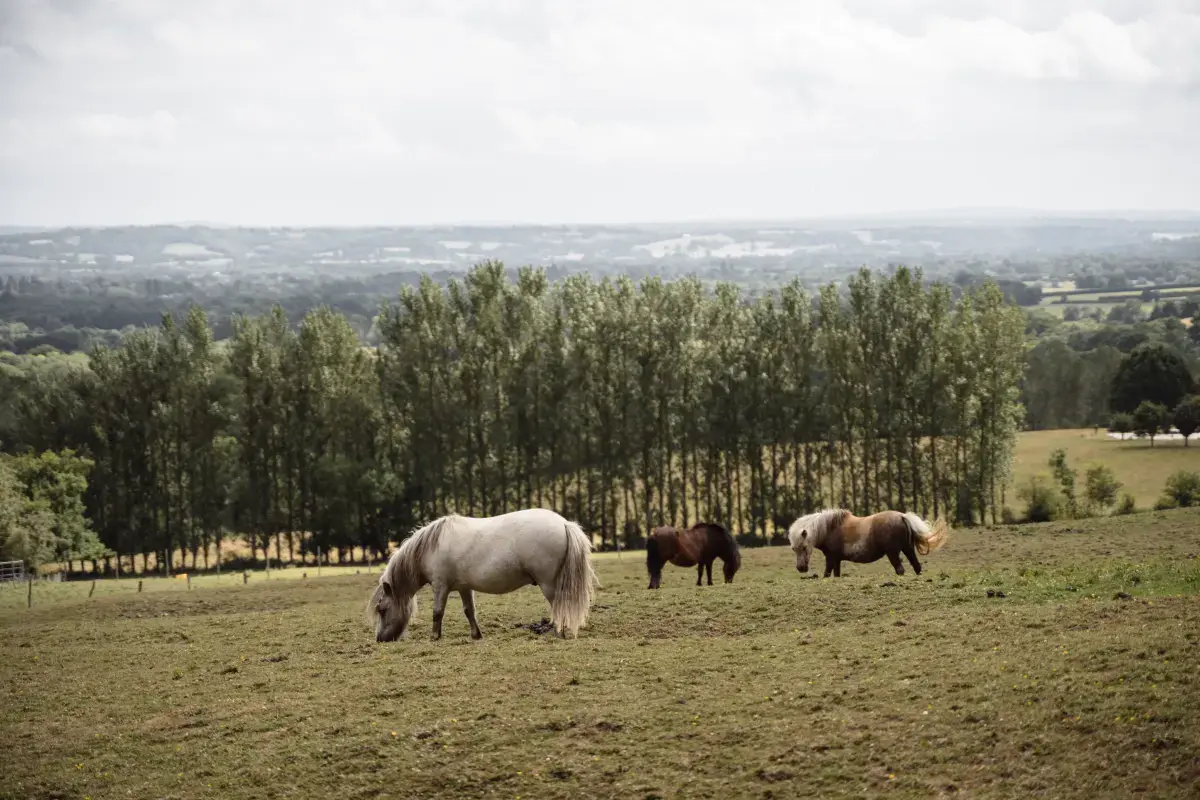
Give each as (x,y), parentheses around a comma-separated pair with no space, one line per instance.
(1141,468)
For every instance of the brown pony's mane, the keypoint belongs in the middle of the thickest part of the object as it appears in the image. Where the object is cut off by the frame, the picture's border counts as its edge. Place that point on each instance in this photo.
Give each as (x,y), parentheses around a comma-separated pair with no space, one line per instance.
(403,571)
(818,523)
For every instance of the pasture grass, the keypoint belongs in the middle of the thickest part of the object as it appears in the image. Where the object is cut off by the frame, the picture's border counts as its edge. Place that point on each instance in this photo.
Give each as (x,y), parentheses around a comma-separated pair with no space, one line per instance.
(1141,468)
(1080,682)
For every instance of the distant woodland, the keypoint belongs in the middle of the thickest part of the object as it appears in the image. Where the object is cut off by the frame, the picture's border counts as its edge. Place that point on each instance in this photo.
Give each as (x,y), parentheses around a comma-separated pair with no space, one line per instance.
(154,408)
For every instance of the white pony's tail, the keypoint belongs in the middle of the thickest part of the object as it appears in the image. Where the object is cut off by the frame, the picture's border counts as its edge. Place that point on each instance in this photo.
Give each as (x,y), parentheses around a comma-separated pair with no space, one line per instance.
(926,538)
(574,586)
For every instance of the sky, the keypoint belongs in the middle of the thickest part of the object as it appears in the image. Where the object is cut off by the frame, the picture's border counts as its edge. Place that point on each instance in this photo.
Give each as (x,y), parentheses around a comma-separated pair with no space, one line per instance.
(361,112)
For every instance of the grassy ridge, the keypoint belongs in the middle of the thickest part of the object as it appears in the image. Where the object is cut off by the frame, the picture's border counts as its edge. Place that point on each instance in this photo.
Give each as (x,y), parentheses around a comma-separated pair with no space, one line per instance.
(776,685)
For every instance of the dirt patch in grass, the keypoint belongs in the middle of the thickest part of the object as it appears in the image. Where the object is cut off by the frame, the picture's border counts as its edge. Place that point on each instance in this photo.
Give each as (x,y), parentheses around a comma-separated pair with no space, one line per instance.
(774,684)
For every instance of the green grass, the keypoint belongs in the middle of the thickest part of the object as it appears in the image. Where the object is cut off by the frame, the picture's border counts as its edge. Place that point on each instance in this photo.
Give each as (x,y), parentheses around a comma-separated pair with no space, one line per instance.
(1141,468)
(777,685)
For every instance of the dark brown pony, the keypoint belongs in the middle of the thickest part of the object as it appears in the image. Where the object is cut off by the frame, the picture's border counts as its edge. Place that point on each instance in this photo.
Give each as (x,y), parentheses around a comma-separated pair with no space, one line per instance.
(841,536)
(697,546)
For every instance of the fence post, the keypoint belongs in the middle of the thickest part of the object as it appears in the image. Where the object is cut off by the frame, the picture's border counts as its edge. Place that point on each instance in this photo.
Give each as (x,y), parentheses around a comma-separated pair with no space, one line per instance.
(29,598)
(92,591)
(189,581)
(139,585)
(318,562)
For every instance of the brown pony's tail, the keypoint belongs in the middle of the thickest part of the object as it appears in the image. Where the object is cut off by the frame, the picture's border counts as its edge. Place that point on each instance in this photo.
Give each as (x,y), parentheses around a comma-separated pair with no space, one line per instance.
(926,538)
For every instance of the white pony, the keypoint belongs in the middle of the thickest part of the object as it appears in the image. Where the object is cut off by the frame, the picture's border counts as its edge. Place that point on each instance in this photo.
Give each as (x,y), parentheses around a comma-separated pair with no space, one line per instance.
(494,555)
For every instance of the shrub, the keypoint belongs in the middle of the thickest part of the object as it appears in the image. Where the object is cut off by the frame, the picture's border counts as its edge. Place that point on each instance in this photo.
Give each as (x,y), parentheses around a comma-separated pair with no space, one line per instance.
(1101,486)
(1066,481)
(1126,506)
(1043,501)
(1182,490)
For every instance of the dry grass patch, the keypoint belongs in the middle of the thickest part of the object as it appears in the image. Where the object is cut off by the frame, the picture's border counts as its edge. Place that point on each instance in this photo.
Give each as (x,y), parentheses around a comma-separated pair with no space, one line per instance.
(1079,682)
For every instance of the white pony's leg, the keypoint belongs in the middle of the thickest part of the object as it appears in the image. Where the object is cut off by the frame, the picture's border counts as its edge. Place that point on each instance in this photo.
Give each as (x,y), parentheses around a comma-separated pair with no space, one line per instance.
(440,593)
(468,601)
(549,593)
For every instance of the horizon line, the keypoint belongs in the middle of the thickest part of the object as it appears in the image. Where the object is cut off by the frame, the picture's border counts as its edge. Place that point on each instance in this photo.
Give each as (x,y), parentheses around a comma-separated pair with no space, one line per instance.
(955,213)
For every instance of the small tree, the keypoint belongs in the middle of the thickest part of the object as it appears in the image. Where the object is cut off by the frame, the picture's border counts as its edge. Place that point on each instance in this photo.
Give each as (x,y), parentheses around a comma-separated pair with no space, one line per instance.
(1042,502)
(1182,490)
(1101,486)
(1065,477)
(1121,423)
(26,526)
(1187,416)
(1149,420)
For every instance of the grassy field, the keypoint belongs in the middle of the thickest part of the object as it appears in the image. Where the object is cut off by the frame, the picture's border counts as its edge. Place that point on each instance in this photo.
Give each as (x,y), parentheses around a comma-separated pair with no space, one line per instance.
(1141,468)
(1080,681)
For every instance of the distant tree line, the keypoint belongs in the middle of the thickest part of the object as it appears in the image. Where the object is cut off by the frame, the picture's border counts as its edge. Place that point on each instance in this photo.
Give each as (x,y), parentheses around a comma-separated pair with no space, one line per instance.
(1080,377)
(621,405)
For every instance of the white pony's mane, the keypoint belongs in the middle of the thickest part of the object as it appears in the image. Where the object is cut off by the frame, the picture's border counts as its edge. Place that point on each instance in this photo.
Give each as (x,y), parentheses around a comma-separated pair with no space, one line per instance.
(818,524)
(403,570)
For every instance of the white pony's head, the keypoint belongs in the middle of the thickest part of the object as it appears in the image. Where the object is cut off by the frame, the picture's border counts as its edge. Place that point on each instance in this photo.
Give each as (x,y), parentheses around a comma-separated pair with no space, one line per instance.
(390,612)
(808,532)
(393,603)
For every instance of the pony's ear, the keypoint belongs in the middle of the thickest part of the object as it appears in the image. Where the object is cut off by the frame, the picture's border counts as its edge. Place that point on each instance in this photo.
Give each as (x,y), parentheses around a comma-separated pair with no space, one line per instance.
(387,588)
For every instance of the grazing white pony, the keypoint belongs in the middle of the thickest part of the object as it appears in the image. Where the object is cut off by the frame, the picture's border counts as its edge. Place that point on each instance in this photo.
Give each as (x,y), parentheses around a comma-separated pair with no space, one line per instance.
(494,555)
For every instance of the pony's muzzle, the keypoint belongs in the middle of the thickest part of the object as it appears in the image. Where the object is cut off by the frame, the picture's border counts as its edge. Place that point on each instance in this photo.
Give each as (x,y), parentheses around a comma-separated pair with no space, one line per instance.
(802,569)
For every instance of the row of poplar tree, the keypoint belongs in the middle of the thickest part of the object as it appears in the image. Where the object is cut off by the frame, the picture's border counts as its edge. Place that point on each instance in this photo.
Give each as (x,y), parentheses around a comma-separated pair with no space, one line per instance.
(621,405)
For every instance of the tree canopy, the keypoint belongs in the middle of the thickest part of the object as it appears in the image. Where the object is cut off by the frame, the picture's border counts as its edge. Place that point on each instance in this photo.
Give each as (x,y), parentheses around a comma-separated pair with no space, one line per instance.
(1153,372)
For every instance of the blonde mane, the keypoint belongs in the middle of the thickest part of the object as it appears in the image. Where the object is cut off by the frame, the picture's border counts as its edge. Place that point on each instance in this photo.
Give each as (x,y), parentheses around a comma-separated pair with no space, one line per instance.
(403,571)
(818,524)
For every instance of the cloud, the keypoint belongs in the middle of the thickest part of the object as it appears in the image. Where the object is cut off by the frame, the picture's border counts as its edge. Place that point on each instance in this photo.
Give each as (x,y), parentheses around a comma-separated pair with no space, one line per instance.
(265,111)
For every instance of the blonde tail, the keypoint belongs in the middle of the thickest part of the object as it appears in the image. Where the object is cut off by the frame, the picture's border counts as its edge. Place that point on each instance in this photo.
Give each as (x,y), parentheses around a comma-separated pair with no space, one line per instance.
(927,539)
(574,587)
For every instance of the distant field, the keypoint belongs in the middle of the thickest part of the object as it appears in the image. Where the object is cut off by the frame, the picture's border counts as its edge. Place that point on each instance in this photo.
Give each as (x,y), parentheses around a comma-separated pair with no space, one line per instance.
(1142,469)
(774,686)
(1059,309)
(1053,297)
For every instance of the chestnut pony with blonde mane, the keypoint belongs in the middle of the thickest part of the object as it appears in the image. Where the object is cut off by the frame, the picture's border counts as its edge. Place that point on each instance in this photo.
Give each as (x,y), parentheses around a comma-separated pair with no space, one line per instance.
(495,555)
(841,536)
(697,546)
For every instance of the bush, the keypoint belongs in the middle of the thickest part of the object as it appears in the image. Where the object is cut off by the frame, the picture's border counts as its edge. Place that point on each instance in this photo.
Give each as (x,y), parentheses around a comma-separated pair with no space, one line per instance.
(1182,490)
(1043,501)
(1007,516)
(1066,480)
(1126,506)
(1101,486)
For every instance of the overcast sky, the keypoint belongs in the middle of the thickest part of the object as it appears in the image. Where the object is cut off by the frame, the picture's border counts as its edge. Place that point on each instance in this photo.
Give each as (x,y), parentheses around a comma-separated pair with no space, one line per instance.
(416,111)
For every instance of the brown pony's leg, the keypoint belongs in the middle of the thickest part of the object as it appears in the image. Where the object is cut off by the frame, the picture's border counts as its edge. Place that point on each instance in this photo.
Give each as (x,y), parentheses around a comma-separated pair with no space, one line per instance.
(828,567)
(837,568)
(699,572)
(910,553)
(896,564)
(708,569)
